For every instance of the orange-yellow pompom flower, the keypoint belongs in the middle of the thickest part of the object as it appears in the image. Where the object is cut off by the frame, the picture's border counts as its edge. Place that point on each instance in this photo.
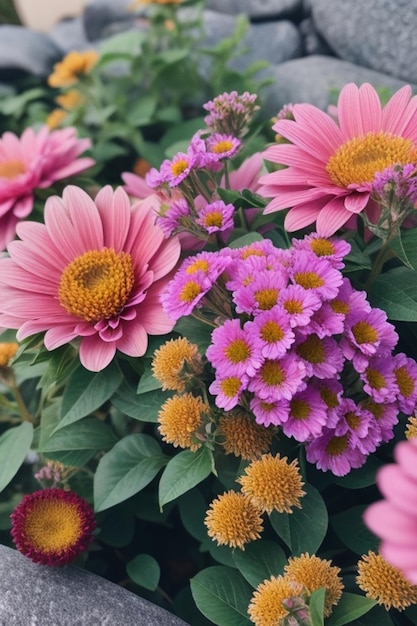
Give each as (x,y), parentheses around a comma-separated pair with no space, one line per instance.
(240,435)
(180,418)
(384,583)
(176,361)
(7,352)
(266,607)
(74,65)
(233,520)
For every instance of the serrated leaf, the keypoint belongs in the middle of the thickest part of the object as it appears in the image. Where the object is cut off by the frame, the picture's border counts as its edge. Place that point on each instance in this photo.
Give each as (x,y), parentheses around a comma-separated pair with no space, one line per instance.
(349,608)
(222,595)
(183,472)
(260,560)
(144,570)
(14,445)
(126,469)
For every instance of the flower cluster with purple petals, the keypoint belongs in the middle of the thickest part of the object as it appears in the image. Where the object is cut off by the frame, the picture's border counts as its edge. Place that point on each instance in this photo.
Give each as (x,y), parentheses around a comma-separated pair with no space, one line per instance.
(297,345)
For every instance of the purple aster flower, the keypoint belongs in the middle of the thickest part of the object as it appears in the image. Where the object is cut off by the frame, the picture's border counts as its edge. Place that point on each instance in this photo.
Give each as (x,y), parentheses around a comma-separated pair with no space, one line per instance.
(242,272)
(379,379)
(299,303)
(267,413)
(334,453)
(216,216)
(331,249)
(212,264)
(277,379)
(231,113)
(261,294)
(228,390)
(153,178)
(322,357)
(367,333)
(386,415)
(315,274)
(359,423)
(330,391)
(324,322)
(184,292)
(177,169)
(405,372)
(233,351)
(273,332)
(222,146)
(307,415)
(398,181)
(174,217)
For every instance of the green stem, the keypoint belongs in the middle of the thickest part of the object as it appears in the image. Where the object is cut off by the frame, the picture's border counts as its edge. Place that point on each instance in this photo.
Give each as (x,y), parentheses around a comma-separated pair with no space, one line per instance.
(384,254)
(26,416)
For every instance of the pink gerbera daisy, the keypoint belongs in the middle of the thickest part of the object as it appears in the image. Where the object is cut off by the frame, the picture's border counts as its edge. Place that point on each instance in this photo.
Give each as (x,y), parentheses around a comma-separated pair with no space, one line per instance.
(34,161)
(332,164)
(94,271)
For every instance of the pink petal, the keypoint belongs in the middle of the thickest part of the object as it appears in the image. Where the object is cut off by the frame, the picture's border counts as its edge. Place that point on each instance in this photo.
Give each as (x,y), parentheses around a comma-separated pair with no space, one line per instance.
(390,524)
(332,217)
(355,202)
(58,336)
(300,217)
(115,212)
(95,354)
(398,488)
(406,455)
(134,341)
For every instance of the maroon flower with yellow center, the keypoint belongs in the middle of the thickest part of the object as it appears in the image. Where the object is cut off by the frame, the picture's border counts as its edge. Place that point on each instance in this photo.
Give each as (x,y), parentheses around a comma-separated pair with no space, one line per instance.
(52,526)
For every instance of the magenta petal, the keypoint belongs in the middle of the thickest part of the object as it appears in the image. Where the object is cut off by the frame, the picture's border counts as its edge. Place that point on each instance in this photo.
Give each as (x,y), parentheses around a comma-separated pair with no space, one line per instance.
(332,217)
(398,488)
(95,354)
(406,455)
(355,202)
(134,341)
(59,336)
(389,523)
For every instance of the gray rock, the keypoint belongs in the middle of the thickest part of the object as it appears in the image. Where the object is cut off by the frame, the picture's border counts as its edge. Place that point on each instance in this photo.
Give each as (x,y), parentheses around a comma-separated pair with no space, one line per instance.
(70,35)
(37,595)
(313,42)
(24,49)
(312,79)
(255,9)
(103,18)
(378,34)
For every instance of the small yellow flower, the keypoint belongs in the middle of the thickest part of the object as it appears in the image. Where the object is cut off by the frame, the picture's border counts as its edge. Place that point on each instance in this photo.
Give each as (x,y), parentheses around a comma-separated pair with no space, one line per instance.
(72,67)
(7,352)
(70,99)
(240,435)
(266,607)
(273,483)
(384,583)
(55,118)
(180,418)
(411,430)
(313,573)
(171,362)
(233,520)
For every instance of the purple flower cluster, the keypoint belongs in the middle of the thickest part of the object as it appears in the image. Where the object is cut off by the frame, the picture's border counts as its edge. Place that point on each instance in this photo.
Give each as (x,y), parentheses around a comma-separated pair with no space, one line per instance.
(297,345)
(231,113)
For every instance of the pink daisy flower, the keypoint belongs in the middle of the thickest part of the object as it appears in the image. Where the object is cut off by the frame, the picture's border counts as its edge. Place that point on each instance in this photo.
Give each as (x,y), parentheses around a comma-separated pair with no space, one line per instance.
(277,379)
(330,391)
(267,413)
(299,303)
(234,351)
(334,453)
(360,423)
(184,293)
(322,357)
(273,332)
(379,380)
(385,414)
(34,161)
(331,249)
(394,519)
(222,146)
(325,322)
(216,217)
(332,164)
(307,415)
(93,272)
(316,275)
(261,294)
(228,390)
(405,372)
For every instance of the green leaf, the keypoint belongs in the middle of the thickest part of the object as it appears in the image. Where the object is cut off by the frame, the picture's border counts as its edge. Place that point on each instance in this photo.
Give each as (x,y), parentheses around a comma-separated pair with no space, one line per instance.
(304,529)
(88,434)
(183,472)
(260,560)
(144,571)
(349,608)
(349,527)
(144,407)
(316,607)
(86,391)
(405,247)
(14,445)
(222,595)
(148,382)
(246,240)
(129,466)
(194,331)
(396,293)
(193,508)
(364,476)
(140,112)
(127,43)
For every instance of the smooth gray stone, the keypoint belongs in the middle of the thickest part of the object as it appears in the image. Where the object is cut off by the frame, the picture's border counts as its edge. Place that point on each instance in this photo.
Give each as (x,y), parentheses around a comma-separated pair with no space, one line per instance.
(311,79)
(70,35)
(256,9)
(24,49)
(38,595)
(102,18)
(378,34)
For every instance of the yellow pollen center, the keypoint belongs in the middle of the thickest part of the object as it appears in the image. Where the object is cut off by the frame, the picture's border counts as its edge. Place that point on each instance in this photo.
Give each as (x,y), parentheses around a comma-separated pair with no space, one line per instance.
(53,526)
(97,284)
(375,378)
(271,332)
(364,332)
(201,265)
(237,351)
(404,381)
(329,397)
(251,252)
(308,280)
(322,247)
(11,169)
(300,409)
(230,386)
(337,445)
(266,298)
(376,409)
(190,291)
(179,167)
(267,406)
(222,146)
(312,350)
(293,306)
(338,306)
(272,373)
(215,218)
(353,420)
(360,158)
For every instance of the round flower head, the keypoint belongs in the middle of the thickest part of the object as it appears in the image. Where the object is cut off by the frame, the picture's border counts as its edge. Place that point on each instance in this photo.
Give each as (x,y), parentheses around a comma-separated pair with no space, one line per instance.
(240,435)
(278,379)
(233,351)
(315,274)
(216,217)
(334,453)
(7,352)
(34,161)
(273,332)
(384,583)
(72,67)
(52,526)
(228,390)
(266,413)
(267,606)
(176,361)
(361,425)
(307,415)
(299,304)
(322,357)
(272,483)
(233,520)
(93,272)
(332,164)
(385,414)
(405,372)
(331,249)
(313,573)
(379,379)
(411,429)
(180,418)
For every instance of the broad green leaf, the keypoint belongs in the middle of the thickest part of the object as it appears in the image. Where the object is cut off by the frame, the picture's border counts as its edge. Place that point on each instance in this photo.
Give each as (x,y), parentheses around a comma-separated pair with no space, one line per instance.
(396,293)
(86,391)
(183,472)
(148,382)
(222,595)
(129,466)
(246,240)
(364,476)
(193,508)
(304,529)
(194,331)
(126,43)
(87,434)
(349,608)
(260,560)
(349,527)
(144,570)
(141,111)
(405,247)
(14,445)
(144,407)
(316,607)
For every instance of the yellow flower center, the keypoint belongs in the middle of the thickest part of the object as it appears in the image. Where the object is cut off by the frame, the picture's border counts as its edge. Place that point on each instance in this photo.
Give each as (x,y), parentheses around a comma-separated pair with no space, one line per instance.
(375,378)
(376,409)
(312,350)
(308,280)
(337,445)
(272,373)
(352,419)
(322,247)
(364,332)
(230,386)
(7,352)
(271,331)
(360,158)
(215,218)
(11,169)
(53,525)
(266,298)
(329,397)
(338,306)
(197,266)
(190,291)
(251,252)
(404,381)
(300,409)
(293,306)
(222,146)
(237,351)
(267,406)
(97,284)
(179,167)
